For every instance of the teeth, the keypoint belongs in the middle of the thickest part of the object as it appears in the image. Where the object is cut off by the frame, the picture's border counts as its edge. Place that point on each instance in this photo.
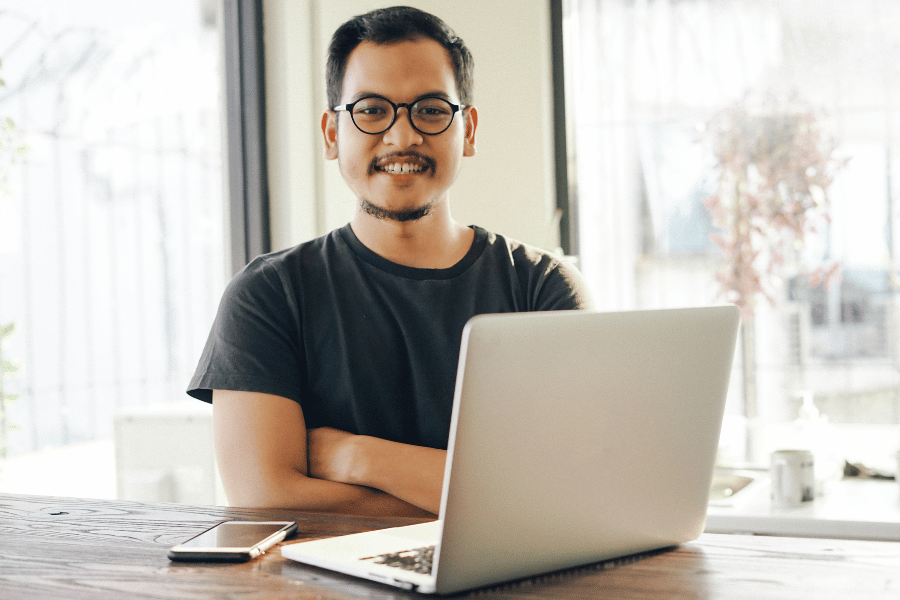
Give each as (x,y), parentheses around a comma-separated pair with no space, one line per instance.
(402,168)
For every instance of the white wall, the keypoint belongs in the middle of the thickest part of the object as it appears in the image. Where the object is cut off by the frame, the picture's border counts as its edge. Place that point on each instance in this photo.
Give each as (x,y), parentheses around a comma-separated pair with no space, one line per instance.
(507,187)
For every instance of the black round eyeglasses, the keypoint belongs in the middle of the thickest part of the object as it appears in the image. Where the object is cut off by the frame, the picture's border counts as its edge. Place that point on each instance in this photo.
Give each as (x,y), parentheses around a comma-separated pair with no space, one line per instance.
(429,115)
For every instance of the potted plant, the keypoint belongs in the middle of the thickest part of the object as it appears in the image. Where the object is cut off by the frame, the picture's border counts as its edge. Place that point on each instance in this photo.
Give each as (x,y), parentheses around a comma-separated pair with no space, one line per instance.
(775,165)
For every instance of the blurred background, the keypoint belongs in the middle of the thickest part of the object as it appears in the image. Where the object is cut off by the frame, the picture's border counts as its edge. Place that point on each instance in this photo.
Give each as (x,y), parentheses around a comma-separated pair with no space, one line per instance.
(695,152)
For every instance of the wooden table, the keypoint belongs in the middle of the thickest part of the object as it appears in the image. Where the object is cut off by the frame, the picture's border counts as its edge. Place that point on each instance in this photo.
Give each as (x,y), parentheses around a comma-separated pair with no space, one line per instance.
(76,549)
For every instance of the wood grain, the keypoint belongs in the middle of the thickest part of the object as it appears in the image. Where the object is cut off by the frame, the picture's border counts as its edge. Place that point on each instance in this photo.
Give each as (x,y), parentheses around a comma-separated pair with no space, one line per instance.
(72,549)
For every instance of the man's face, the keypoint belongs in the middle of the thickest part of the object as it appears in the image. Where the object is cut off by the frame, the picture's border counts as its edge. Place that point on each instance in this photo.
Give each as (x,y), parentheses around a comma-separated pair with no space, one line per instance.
(399,174)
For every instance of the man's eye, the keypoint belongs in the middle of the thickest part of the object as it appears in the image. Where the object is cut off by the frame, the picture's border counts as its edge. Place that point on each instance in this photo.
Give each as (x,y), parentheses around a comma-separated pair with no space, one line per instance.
(433,112)
(370,111)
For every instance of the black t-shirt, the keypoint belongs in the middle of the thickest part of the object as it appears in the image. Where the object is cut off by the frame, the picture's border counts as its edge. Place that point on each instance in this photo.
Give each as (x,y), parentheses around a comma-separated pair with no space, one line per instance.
(366,345)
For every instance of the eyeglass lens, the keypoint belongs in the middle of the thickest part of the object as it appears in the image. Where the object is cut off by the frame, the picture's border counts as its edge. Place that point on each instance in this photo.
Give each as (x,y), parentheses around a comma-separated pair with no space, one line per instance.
(428,115)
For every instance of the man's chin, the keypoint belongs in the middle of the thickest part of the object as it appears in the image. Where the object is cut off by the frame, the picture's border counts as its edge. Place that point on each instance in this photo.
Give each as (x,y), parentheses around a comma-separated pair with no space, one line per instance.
(401,216)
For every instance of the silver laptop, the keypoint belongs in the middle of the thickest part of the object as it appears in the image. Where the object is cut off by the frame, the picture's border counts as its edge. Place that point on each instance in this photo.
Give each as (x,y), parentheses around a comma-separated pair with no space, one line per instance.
(576,437)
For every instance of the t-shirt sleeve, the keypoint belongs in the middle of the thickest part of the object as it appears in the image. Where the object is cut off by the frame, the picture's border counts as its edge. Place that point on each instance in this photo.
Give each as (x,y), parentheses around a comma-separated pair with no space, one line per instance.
(550,282)
(254,342)
(564,289)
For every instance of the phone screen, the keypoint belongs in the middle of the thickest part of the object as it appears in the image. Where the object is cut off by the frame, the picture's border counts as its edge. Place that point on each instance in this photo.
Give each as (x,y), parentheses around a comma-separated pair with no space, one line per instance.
(234,534)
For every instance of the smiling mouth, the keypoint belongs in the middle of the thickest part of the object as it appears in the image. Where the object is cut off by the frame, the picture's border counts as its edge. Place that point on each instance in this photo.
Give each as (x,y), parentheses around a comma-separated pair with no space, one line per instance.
(400,169)
(402,164)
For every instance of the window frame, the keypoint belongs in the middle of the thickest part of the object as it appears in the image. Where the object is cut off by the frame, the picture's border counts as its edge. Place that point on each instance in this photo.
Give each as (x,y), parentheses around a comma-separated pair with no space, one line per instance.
(245,132)
(566,202)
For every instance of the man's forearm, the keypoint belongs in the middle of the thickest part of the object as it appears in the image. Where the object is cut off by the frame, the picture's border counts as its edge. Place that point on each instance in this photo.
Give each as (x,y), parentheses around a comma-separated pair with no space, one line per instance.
(413,474)
(295,490)
(262,458)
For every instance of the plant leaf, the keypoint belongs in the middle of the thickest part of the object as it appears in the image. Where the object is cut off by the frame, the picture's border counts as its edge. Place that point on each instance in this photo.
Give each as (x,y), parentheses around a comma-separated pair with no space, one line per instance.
(8,366)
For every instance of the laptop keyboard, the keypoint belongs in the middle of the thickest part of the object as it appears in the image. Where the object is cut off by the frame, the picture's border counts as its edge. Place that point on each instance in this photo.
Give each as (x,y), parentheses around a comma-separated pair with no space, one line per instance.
(418,560)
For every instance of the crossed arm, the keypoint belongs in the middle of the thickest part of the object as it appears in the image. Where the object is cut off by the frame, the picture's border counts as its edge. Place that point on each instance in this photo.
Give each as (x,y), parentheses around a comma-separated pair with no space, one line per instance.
(267,458)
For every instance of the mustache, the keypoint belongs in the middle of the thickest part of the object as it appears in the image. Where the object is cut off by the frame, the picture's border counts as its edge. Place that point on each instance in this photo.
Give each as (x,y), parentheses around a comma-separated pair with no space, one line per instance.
(396,156)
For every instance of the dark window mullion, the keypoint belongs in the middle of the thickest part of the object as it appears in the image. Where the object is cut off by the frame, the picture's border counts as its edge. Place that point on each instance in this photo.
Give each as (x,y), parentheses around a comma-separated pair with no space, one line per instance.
(246,131)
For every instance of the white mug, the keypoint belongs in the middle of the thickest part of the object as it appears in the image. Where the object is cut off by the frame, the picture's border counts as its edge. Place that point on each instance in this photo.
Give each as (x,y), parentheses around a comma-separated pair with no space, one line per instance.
(793,477)
(897,475)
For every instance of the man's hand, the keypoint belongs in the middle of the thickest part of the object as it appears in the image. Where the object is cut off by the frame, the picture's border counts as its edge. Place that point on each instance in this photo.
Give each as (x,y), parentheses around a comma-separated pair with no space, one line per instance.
(411,473)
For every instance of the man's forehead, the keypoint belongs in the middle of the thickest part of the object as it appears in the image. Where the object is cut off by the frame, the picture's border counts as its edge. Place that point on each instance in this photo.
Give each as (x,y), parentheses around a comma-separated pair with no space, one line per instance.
(409,68)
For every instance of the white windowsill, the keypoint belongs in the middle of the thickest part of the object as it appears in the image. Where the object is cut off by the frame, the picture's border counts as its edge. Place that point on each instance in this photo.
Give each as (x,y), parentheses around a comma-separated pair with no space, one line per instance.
(862,509)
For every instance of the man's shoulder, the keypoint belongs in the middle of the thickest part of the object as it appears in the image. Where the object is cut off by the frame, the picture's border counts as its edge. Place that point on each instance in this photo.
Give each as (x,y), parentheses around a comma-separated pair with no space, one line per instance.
(521,253)
(551,280)
(309,253)
(286,268)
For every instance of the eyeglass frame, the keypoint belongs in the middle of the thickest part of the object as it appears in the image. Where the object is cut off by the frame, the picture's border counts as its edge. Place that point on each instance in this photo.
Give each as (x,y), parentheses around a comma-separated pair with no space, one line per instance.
(456,108)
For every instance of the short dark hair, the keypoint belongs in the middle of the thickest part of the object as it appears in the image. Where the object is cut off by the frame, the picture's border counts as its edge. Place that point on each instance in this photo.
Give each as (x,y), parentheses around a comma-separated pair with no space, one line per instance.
(390,26)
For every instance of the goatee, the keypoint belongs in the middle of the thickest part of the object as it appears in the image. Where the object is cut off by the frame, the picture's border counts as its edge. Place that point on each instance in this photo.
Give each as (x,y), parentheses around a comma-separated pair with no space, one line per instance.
(412,214)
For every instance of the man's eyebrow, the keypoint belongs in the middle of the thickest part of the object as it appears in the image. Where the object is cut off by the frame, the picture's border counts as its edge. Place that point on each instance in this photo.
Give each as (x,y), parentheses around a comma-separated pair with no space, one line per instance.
(437,94)
(432,94)
(364,94)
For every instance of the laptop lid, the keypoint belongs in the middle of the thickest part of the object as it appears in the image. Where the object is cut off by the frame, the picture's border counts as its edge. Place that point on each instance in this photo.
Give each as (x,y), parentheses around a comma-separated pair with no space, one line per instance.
(580,436)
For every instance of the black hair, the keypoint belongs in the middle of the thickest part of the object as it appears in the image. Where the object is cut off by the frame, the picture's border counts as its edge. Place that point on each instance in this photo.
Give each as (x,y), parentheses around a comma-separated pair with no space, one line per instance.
(390,26)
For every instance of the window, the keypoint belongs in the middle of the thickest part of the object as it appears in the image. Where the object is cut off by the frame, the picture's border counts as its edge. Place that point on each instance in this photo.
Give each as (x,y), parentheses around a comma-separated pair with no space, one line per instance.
(113,244)
(647,83)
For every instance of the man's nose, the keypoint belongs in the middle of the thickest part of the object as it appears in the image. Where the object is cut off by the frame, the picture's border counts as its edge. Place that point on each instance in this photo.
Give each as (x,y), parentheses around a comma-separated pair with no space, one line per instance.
(402,134)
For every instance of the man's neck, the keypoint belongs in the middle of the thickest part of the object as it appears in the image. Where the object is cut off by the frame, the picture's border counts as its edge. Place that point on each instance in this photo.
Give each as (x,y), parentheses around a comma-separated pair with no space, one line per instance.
(435,241)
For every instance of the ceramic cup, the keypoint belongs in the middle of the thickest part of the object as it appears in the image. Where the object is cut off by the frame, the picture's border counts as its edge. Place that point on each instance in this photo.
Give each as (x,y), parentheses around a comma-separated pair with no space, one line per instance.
(793,477)
(897,475)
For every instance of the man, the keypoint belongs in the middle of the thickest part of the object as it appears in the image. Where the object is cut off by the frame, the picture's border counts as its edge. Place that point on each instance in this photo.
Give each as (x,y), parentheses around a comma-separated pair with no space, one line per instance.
(331,365)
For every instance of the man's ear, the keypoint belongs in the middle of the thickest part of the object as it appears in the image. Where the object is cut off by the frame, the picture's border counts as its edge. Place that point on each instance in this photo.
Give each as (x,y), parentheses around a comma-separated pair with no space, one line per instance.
(329,132)
(471,124)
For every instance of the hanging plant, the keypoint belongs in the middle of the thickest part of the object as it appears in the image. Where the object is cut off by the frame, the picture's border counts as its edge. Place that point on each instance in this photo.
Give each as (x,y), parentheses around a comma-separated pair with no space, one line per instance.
(776,164)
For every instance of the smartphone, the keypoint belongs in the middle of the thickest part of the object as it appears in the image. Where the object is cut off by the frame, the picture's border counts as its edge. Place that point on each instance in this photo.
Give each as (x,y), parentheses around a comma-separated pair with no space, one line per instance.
(233,541)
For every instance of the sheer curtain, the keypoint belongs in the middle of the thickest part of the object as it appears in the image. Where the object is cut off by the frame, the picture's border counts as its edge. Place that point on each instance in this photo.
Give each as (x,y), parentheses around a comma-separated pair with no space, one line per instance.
(645,79)
(113,230)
